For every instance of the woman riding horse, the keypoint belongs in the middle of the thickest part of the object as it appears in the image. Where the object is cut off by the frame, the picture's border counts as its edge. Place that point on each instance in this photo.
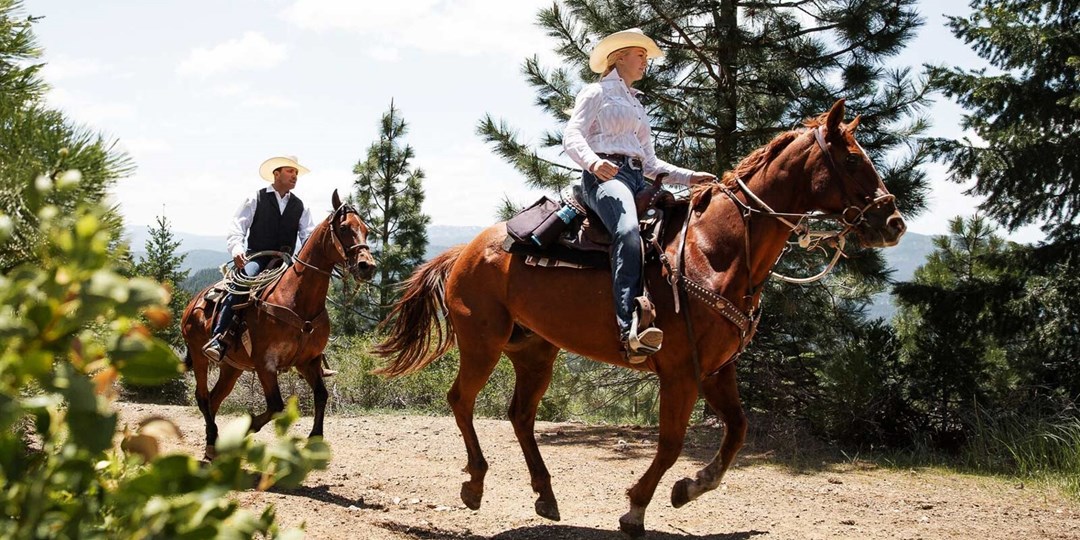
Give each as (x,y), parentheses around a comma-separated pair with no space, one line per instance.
(610,137)
(722,247)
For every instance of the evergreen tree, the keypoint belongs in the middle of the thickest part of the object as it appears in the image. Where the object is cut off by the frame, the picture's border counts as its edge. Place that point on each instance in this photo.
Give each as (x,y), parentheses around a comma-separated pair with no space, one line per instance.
(37,139)
(737,73)
(162,263)
(954,328)
(389,194)
(1025,115)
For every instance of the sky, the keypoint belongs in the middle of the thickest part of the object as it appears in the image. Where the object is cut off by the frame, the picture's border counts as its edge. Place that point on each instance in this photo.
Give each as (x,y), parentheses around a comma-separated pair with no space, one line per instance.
(200,92)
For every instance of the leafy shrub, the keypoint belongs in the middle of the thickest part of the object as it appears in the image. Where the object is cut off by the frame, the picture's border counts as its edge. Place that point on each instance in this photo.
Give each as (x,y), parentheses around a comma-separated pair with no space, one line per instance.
(70,327)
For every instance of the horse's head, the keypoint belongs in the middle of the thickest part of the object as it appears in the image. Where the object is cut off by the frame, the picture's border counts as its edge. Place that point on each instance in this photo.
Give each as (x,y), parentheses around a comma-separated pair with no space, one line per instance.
(845,182)
(350,238)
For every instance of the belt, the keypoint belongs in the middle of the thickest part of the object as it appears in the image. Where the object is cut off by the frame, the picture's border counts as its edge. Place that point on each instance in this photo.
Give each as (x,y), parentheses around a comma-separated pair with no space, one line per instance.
(632,161)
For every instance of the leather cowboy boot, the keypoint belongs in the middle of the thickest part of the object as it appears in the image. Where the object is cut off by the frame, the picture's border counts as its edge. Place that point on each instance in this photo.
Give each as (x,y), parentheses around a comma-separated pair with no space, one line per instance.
(215,349)
(641,343)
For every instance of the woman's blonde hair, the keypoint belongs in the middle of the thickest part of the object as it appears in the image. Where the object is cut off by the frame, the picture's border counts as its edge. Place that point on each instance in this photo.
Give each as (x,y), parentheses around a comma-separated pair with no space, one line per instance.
(614,57)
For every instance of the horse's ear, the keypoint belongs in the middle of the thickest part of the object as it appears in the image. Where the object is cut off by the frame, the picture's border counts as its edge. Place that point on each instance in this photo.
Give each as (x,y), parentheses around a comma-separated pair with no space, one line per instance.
(836,115)
(850,128)
(335,200)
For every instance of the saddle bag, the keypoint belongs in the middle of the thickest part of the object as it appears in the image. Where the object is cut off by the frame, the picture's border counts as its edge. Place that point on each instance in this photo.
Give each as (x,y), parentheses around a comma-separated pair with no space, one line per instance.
(540,224)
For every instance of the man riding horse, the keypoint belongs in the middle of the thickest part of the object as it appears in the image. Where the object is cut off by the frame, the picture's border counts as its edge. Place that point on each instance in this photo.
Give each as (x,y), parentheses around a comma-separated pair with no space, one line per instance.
(271,219)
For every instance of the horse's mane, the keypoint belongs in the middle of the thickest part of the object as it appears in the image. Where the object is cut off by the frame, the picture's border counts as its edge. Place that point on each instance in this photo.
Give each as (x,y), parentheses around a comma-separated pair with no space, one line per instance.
(762,156)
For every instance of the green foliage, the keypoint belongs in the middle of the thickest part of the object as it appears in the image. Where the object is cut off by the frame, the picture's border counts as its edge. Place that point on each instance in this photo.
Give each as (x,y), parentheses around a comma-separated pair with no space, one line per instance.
(37,139)
(389,196)
(161,263)
(71,325)
(953,356)
(1024,115)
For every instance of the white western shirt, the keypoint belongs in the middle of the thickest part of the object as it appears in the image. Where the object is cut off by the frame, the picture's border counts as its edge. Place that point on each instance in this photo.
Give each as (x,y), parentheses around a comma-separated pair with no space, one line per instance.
(236,240)
(609,119)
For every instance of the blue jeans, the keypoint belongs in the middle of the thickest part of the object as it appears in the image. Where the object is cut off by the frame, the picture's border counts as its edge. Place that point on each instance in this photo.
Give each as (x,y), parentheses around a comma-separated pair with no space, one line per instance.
(251,269)
(613,201)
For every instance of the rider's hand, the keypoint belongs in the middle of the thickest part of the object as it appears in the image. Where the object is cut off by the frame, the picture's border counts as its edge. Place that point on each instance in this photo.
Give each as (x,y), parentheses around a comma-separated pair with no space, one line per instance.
(605,170)
(239,261)
(701,176)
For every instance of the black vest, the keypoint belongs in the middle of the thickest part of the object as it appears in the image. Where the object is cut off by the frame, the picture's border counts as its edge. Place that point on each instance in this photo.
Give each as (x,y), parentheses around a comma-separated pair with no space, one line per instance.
(272,229)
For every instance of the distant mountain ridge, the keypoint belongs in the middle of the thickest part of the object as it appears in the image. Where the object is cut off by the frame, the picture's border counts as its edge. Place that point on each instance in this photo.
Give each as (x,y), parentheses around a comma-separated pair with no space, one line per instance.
(205,251)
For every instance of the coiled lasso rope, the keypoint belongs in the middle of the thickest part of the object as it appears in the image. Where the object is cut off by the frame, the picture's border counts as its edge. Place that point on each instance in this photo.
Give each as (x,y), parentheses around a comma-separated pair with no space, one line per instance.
(235,279)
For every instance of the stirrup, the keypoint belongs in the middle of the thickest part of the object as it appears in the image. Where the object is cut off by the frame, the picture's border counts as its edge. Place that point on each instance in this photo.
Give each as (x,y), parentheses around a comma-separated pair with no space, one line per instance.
(214,350)
(640,345)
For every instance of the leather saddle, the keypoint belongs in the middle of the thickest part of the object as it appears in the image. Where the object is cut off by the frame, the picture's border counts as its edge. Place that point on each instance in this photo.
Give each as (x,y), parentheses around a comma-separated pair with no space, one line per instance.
(585,243)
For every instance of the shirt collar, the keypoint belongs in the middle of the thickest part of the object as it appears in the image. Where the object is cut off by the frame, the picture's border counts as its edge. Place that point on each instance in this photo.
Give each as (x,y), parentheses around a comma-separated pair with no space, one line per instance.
(271,189)
(614,77)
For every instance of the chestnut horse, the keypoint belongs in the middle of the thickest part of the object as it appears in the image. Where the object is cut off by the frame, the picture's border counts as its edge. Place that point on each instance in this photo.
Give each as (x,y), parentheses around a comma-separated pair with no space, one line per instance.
(288,323)
(730,239)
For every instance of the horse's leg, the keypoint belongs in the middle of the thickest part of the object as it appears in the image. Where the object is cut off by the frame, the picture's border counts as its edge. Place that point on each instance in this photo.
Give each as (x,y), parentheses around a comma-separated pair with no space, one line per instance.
(532,374)
(274,403)
(722,393)
(480,342)
(312,373)
(201,367)
(227,376)
(677,397)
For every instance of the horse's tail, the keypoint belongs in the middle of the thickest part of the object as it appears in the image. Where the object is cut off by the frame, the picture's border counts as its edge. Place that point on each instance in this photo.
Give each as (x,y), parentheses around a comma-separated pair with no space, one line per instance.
(188,363)
(416,317)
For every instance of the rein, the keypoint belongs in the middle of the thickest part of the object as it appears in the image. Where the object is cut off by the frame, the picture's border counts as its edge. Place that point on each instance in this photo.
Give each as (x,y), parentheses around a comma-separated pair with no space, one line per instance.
(809,239)
(289,316)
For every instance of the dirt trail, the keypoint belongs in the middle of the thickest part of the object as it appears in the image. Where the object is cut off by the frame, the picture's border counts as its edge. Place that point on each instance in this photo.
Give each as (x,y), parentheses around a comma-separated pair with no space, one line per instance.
(398,477)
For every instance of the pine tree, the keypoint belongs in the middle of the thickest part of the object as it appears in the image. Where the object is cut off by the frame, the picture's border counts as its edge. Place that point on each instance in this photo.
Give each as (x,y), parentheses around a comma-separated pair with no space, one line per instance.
(1024,116)
(162,263)
(39,145)
(954,327)
(389,194)
(735,74)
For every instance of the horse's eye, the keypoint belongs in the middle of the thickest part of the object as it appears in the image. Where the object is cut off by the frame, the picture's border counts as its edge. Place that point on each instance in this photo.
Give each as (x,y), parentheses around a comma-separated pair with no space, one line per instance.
(852,160)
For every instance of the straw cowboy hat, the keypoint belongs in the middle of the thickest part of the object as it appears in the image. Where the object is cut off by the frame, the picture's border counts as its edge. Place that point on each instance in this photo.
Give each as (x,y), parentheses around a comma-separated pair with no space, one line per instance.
(266,170)
(633,37)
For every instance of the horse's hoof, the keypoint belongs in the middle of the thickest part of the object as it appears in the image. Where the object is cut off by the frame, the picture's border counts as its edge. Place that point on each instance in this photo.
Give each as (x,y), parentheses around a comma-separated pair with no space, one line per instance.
(471,496)
(680,492)
(547,509)
(631,527)
(210,453)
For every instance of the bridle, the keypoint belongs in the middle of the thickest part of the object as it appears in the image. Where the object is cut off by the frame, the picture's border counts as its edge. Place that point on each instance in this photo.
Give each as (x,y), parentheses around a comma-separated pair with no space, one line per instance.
(811,238)
(346,252)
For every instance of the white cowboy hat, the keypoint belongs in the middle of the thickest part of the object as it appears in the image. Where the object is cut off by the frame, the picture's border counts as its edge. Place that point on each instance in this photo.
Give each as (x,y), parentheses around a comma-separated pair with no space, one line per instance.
(633,37)
(266,170)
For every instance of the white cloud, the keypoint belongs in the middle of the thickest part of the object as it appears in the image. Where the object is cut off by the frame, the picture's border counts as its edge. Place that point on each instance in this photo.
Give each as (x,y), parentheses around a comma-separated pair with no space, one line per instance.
(384,54)
(465,185)
(250,52)
(464,27)
(269,102)
(61,67)
(142,147)
(88,112)
(232,89)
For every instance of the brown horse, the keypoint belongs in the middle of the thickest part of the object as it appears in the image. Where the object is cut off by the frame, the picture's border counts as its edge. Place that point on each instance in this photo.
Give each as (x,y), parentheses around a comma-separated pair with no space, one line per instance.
(288,324)
(731,238)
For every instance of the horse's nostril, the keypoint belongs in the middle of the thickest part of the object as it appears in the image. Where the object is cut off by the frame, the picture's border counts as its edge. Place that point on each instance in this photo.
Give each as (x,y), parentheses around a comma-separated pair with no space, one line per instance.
(897,223)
